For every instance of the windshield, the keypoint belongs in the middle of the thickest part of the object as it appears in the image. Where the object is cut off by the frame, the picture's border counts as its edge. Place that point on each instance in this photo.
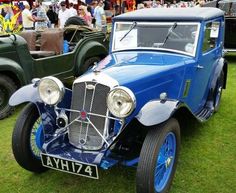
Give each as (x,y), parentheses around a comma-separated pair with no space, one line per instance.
(177,37)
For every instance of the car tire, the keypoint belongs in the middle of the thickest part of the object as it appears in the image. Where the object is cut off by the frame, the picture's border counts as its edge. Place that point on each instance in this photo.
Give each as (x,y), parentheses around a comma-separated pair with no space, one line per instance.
(89,63)
(26,139)
(7,88)
(159,154)
(75,20)
(218,91)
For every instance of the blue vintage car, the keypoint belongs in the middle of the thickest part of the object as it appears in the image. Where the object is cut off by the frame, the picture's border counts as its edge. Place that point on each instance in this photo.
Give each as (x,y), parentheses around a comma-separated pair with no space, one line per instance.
(162,65)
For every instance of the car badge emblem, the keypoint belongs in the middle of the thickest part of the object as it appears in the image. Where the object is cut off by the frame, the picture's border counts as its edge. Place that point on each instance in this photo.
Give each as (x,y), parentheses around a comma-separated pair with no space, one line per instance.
(83,115)
(90,87)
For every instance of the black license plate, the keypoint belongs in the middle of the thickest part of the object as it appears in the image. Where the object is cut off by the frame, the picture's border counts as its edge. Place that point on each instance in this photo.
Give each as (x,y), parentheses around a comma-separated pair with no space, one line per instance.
(73,167)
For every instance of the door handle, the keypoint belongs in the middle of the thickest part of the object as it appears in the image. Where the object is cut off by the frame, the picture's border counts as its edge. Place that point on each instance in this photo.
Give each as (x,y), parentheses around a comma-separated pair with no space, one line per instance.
(199,67)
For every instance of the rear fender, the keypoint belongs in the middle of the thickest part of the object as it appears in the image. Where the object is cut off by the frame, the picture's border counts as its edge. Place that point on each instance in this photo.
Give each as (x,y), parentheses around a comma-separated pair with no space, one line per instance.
(222,66)
(156,111)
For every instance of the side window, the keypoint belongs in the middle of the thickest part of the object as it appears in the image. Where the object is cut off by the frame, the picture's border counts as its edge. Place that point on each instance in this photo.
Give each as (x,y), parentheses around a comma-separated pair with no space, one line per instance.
(211,36)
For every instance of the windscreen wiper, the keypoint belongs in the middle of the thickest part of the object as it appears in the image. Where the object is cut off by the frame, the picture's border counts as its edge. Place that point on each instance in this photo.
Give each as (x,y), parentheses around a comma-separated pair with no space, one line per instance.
(134,24)
(169,33)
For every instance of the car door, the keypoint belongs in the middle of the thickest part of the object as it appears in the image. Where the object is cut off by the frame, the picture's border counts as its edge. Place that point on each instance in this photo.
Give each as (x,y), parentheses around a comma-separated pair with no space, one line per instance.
(209,56)
(61,66)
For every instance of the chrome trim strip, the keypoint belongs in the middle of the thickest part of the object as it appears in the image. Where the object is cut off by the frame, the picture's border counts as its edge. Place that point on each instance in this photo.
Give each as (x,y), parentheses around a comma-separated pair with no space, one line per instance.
(85,94)
(84,139)
(94,114)
(98,77)
(105,132)
(98,132)
(91,104)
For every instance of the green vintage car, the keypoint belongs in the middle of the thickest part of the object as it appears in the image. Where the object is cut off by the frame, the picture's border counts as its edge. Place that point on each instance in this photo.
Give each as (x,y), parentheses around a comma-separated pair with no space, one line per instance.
(34,55)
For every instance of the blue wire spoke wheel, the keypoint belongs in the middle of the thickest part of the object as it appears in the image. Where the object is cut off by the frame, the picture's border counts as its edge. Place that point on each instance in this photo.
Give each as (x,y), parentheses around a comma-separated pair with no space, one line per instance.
(28,138)
(165,161)
(37,138)
(158,158)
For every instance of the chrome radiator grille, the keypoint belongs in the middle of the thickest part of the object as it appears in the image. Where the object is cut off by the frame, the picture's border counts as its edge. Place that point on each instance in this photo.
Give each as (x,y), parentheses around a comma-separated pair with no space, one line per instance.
(89,99)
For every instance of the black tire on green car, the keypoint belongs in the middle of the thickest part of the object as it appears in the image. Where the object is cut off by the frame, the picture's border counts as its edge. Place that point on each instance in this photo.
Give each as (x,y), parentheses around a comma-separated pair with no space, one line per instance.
(75,20)
(7,88)
(218,91)
(27,139)
(89,63)
(158,158)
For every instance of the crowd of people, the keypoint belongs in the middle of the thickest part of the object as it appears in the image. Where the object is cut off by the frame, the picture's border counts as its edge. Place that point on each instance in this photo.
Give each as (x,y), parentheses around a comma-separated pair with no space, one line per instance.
(57,15)
(39,17)
(174,4)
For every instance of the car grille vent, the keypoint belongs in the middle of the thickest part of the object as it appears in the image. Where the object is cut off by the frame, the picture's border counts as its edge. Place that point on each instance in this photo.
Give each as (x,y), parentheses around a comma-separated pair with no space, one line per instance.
(89,99)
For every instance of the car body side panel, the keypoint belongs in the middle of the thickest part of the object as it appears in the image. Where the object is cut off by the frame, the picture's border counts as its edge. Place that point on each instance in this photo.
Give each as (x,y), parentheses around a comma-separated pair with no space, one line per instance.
(59,65)
(153,76)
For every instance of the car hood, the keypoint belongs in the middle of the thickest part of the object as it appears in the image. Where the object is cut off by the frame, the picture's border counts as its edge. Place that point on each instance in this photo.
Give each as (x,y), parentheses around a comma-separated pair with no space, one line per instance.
(127,67)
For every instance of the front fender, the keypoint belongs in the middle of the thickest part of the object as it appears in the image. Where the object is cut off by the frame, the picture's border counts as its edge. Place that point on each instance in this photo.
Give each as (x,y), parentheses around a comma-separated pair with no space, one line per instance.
(156,111)
(28,93)
(8,65)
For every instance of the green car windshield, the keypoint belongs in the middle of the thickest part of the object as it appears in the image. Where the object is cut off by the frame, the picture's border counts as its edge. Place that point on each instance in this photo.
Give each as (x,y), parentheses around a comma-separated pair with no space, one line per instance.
(178,37)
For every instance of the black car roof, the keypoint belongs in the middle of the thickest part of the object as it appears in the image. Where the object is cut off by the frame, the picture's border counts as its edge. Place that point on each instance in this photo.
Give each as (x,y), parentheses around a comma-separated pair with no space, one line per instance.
(227,1)
(171,14)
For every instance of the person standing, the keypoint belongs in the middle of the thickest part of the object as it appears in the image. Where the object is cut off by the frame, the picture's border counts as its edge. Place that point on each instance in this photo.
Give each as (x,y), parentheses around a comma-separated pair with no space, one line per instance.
(93,5)
(72,10)
(8,12)
(107,5)
(63,15)
(52,16)
(100,17)
(34,9)
(41,20)
(83,13)
(116,10)
(124,6)
(27,18)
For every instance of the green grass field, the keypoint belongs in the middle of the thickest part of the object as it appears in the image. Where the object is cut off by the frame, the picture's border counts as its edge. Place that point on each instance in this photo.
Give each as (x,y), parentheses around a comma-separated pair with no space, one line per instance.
(207,162)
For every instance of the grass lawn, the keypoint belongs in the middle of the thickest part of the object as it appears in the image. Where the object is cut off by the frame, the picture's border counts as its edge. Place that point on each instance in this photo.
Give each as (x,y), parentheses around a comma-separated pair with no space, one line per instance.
(207,162)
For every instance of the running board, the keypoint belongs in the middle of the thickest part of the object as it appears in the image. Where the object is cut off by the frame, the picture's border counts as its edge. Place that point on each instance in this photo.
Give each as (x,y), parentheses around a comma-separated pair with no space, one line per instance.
(205,114)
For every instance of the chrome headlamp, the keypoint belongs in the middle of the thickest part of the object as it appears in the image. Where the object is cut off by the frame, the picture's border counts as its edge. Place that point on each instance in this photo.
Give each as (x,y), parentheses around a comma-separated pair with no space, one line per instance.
(51,90)
(121,102)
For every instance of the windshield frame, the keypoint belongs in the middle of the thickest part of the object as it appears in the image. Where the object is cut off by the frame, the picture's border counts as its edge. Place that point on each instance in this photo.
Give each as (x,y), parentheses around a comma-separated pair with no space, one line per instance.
(198,24)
